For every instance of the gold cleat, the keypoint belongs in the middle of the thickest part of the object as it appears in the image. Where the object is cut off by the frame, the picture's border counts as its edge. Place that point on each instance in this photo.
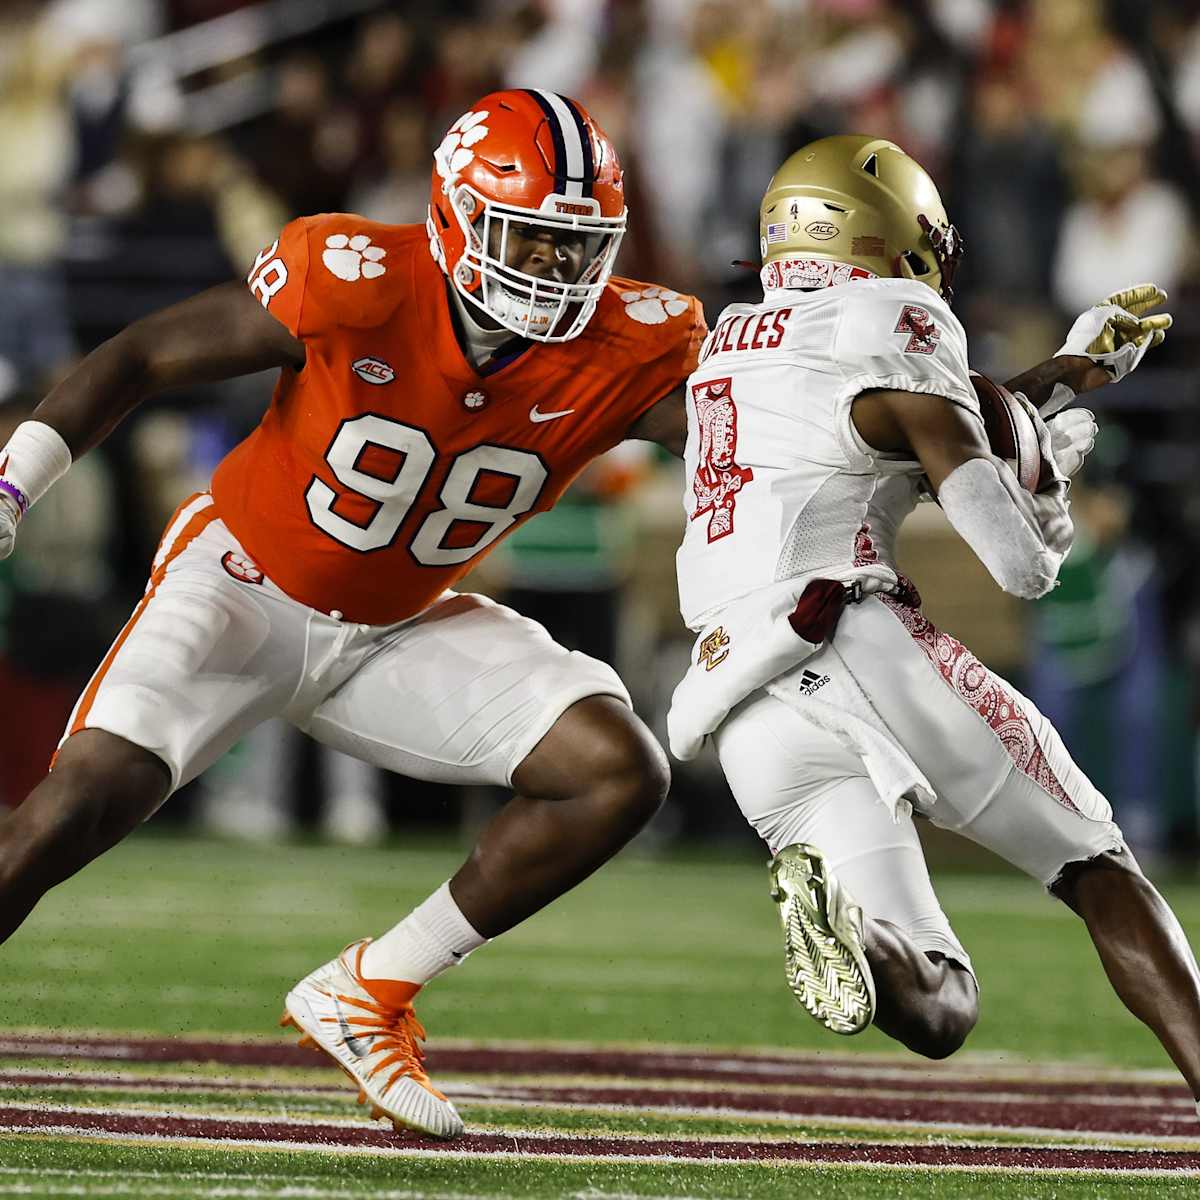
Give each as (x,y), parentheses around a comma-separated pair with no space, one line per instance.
(824,946)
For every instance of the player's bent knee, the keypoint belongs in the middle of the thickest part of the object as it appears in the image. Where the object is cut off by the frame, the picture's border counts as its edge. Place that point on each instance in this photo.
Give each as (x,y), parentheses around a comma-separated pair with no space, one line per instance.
(635,773)
(944,1033)
(1081,874)
(105,785)
(943,1022)
(947,1032)
(601,749)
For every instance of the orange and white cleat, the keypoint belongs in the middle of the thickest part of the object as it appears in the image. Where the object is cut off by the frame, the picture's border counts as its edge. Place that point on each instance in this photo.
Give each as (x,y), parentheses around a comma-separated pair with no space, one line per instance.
(368,1027)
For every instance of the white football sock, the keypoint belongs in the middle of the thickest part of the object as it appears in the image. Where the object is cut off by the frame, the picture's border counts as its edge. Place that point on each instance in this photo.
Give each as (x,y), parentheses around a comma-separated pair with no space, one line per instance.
(434,937)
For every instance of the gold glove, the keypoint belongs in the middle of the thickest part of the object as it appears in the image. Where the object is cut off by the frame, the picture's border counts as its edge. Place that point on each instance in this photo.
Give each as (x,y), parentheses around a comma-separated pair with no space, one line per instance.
(1131,325)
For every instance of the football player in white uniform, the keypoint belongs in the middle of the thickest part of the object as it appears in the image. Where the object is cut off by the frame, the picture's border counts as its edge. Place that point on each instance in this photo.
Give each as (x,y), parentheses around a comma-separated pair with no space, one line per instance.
(816,418)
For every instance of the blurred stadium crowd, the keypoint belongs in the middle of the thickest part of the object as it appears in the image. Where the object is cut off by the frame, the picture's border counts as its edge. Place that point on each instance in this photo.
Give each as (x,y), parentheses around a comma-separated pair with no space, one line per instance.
(149,148)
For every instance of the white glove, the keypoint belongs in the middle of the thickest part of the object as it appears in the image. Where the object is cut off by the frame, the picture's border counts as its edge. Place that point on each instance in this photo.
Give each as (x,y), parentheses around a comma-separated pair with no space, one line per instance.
(1115,334)
(10,516)
(1072,436)
(1047,445)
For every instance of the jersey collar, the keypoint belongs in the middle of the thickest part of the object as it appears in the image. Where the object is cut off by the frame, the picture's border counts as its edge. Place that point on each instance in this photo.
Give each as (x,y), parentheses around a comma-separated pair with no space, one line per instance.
(432,291)
(809,273)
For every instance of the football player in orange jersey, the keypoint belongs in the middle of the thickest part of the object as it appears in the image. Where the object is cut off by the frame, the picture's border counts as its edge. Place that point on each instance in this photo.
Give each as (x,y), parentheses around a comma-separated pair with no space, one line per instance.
(437,387)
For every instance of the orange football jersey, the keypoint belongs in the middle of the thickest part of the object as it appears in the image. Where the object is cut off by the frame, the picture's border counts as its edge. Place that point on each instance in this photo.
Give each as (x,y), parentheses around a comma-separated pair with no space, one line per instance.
(388,466)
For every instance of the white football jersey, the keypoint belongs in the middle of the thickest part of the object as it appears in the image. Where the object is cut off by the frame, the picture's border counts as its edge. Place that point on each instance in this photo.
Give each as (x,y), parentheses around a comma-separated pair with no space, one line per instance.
(780,483)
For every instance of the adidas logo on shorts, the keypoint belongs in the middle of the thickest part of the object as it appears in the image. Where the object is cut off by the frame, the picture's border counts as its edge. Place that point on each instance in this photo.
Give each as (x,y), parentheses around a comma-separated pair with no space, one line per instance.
(810,681)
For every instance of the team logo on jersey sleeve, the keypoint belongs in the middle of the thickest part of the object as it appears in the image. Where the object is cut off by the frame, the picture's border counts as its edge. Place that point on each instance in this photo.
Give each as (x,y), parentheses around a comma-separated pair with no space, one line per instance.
(353,258)
(653,306)
(718,477)
(924,334)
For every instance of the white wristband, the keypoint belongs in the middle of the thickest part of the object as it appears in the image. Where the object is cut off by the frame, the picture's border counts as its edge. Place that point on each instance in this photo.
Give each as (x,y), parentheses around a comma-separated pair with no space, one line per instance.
(35,458)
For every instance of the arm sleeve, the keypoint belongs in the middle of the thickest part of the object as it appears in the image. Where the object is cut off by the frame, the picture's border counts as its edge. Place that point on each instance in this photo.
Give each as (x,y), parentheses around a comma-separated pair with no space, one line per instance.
(902,336)
(279,277)
(1022,539)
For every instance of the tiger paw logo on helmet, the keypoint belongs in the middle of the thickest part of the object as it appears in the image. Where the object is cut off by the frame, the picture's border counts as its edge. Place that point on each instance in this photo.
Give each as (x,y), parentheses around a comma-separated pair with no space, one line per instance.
(353,258)
(456,153)
(653,306)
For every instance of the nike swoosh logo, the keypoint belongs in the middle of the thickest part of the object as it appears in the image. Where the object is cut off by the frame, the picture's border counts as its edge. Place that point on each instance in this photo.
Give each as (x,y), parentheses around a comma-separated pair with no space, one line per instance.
(537,417)
(353,1044)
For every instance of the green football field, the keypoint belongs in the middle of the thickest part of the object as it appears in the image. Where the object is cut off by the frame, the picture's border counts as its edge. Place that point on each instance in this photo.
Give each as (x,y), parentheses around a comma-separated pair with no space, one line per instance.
(635,1039)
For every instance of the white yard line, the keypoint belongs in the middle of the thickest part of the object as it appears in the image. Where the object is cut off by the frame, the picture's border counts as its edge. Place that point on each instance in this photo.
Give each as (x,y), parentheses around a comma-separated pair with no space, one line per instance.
(639,1159)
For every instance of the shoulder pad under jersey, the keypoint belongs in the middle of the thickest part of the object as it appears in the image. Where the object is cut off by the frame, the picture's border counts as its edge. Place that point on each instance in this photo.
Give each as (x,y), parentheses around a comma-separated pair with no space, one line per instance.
(335,269)
(900,334)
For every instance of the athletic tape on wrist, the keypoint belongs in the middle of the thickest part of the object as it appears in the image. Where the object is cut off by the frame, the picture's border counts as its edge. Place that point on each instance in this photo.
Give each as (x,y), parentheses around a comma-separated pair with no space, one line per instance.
(11,489)
(35,458)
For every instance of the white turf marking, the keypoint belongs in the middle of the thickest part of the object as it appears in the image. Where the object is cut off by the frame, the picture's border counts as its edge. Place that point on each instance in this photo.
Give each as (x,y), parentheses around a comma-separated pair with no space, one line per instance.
(218,1192)
(977,1066)
(225,1143)
(1091,1139)
(221,1183)
(633,1159)
(541,1091)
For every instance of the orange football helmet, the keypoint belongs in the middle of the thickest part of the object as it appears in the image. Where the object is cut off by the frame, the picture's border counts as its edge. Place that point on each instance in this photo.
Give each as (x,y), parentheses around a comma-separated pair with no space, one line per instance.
(526,157)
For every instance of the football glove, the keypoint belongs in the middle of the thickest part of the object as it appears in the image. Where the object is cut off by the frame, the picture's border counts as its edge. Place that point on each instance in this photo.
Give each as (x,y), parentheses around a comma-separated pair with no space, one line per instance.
(1072,436)
(1115,334)
(10,515)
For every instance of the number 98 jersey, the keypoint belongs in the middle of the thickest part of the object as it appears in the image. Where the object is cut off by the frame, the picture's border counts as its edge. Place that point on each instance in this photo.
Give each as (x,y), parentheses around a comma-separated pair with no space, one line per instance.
(387,466)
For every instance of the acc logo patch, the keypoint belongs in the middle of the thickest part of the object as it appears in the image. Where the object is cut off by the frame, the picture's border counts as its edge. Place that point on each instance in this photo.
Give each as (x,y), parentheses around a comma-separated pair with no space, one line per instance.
(373,370)
(821,231)
(917,322)
(239,567)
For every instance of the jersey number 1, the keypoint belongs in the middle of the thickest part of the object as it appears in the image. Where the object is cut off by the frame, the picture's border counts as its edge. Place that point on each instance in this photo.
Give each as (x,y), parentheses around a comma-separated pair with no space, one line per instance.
(393,496)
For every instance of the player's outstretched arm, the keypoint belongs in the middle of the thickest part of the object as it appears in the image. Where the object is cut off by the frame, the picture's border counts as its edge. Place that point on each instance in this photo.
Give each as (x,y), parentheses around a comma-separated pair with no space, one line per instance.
(216,335)
(1020,538)
(219,334)
(1105,343)
(1073,372)
(664,423)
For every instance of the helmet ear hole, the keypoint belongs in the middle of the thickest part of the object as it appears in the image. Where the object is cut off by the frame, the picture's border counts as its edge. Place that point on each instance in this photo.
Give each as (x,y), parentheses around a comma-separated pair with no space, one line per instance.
(915,263)
(871,166)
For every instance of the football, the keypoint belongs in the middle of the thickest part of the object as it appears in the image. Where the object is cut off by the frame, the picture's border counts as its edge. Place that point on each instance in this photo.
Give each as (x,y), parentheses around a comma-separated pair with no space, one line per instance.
(1011,432)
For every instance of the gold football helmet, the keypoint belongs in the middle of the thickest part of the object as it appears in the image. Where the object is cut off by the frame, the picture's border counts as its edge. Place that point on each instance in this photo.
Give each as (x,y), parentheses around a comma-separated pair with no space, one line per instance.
(863,201)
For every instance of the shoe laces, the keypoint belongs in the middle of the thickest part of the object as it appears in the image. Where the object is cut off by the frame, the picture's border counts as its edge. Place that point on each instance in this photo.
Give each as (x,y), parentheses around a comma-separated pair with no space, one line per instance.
(395,1033)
